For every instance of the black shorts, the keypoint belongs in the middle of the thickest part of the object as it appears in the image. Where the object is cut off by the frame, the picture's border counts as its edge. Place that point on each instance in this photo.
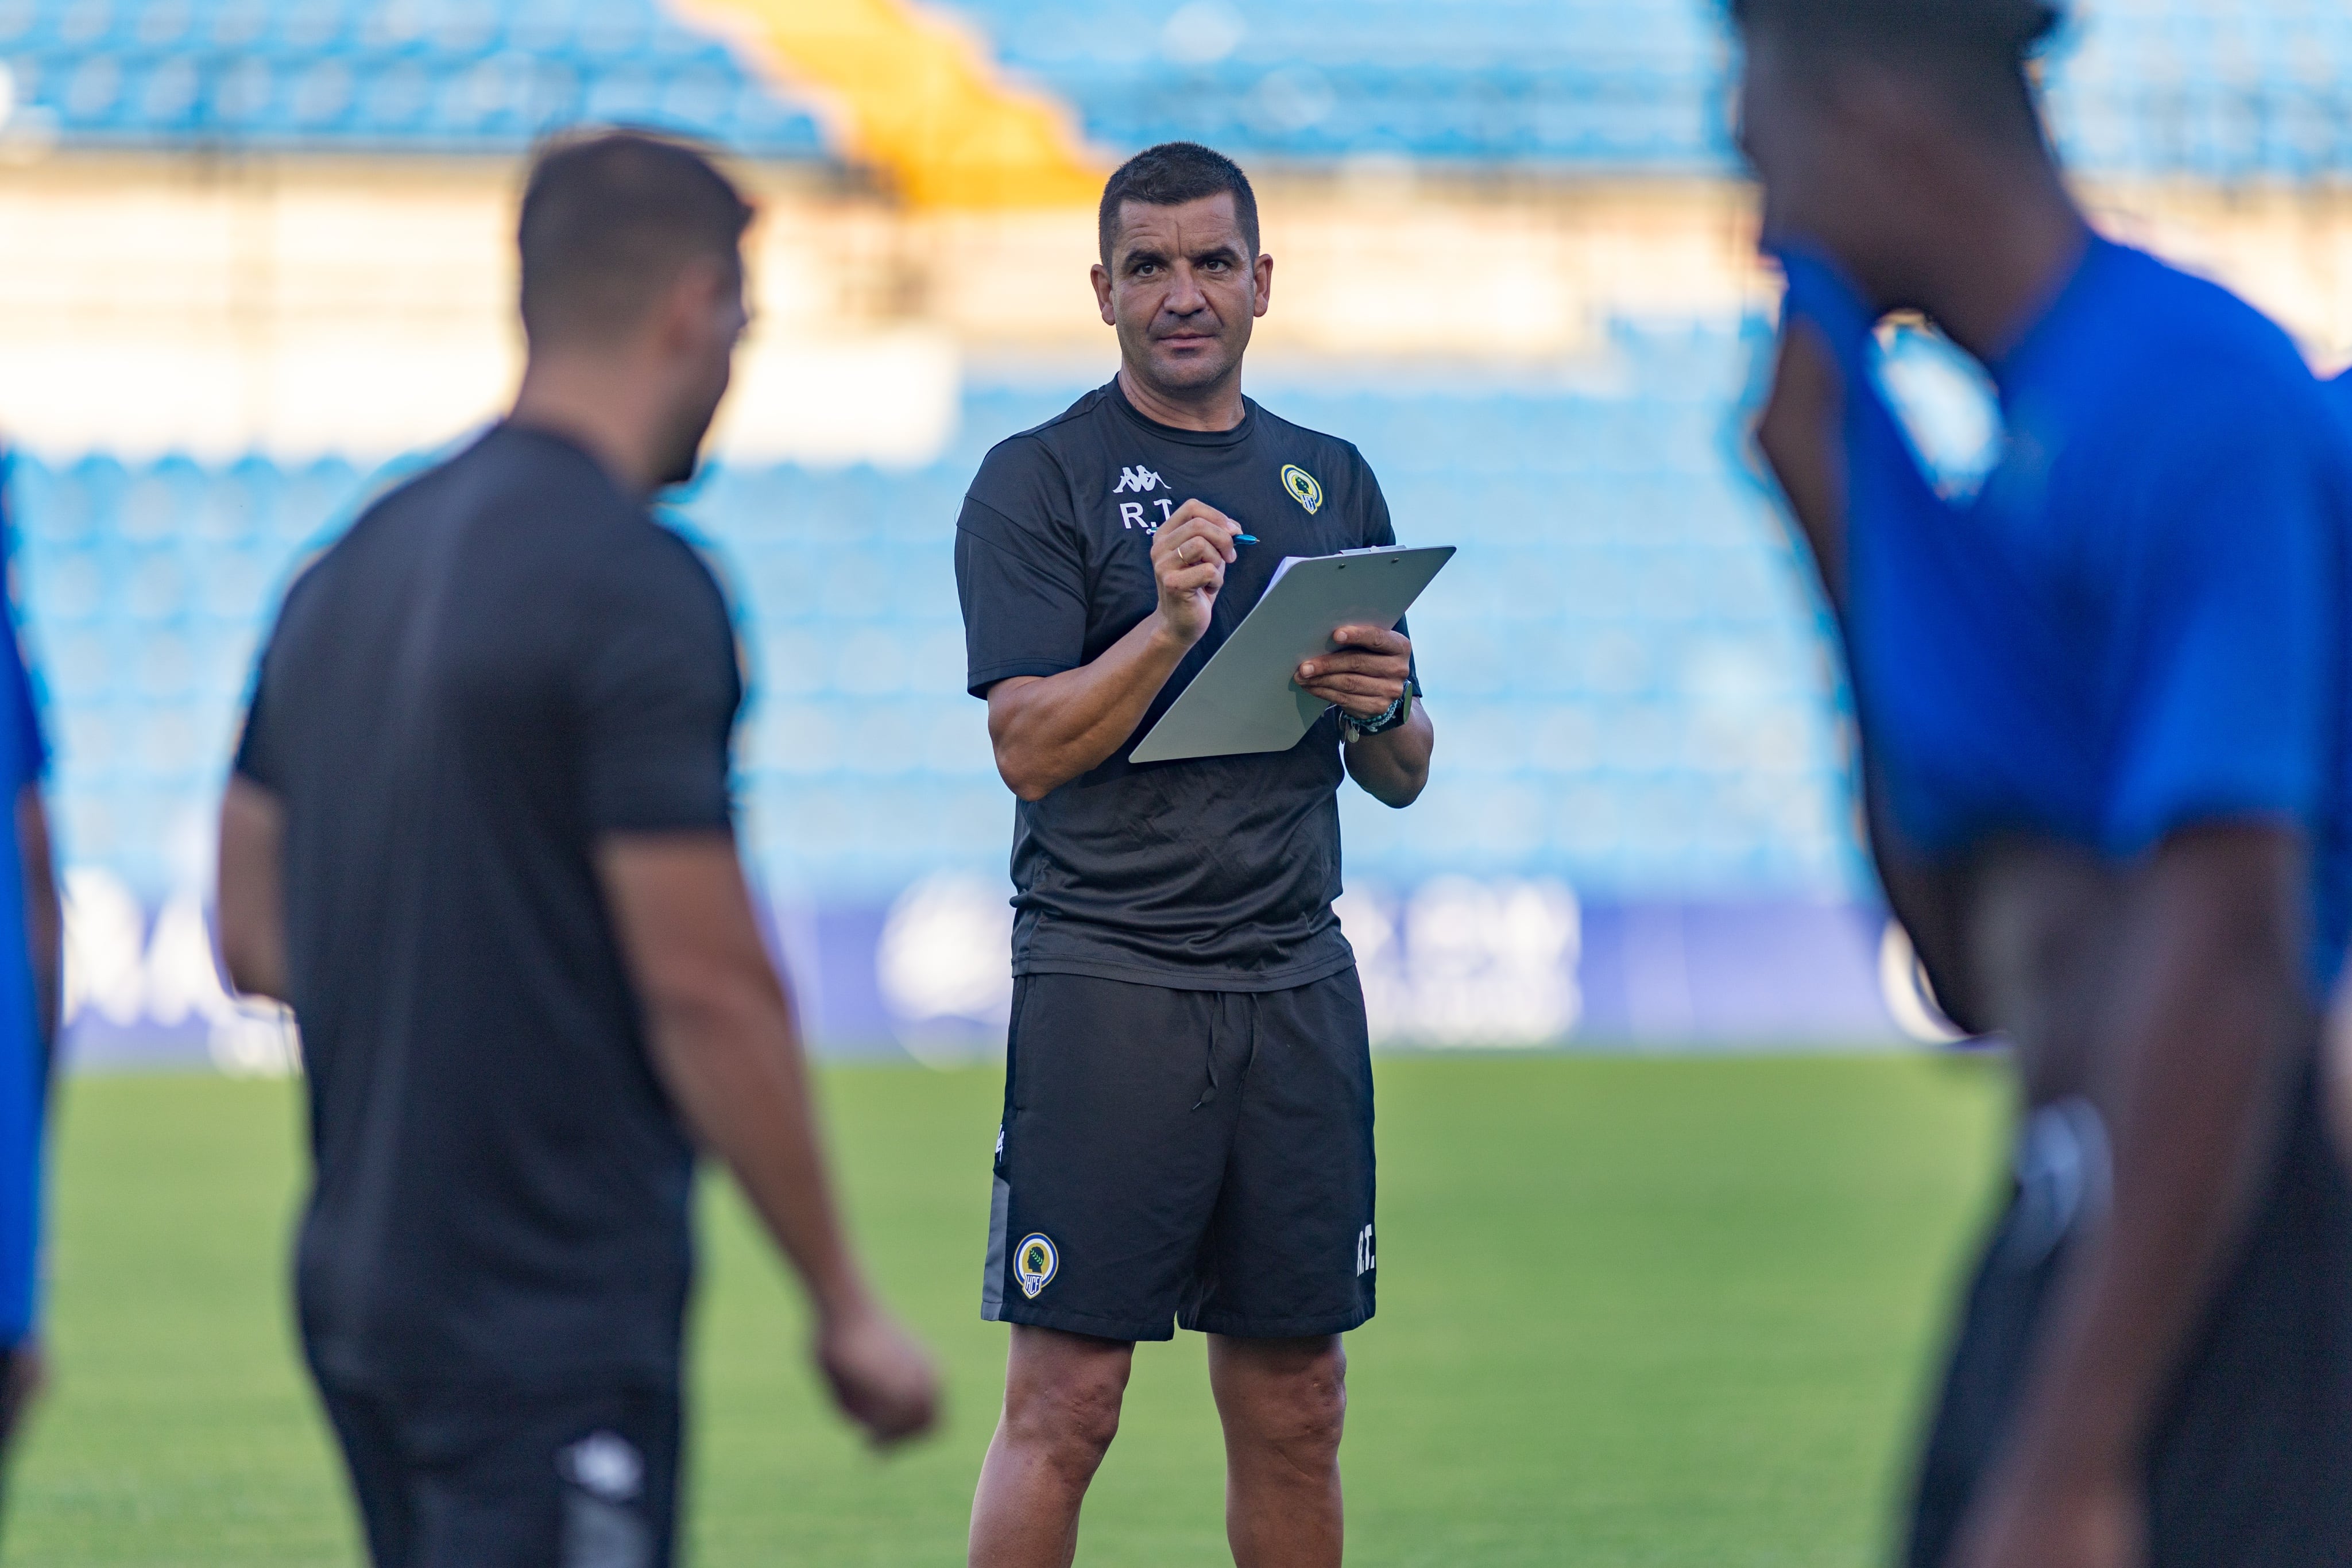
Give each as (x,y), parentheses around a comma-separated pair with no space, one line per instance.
(1199,1155)
(474,1478)
(2250,1460)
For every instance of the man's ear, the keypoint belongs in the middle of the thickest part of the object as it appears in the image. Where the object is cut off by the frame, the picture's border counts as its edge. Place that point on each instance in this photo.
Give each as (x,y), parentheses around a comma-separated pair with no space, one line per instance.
(1262,269)
(696,294)
(1101,275)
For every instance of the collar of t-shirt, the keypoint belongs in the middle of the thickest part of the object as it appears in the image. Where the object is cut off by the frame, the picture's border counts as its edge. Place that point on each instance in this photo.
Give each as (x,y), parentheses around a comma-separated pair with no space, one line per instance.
(1234,438)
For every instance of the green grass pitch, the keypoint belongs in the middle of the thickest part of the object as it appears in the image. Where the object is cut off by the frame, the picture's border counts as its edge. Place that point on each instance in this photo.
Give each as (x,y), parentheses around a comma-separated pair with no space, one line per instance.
(1632,1311)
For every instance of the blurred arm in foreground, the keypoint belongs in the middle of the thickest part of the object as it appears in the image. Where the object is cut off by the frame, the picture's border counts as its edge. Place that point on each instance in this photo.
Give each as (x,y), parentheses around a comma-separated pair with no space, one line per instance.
(726,1048)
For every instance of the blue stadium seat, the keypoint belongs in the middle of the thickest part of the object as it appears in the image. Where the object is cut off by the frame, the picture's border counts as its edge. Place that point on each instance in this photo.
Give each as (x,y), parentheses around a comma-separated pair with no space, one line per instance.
(452,75)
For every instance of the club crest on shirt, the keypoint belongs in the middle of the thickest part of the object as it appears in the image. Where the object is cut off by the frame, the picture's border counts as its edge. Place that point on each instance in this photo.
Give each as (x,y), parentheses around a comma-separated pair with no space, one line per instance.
(1035,1263)
(1302,487)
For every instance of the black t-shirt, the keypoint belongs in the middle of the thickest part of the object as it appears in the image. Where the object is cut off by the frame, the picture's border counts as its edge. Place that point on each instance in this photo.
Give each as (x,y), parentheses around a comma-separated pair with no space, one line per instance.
(1213,873)
(502,661)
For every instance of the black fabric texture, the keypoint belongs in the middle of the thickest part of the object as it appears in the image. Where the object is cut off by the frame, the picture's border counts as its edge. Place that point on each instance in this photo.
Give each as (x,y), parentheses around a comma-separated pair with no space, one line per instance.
(1204,1156)
(2251,1460)
(502,662)
(449,1477)
(1214,873)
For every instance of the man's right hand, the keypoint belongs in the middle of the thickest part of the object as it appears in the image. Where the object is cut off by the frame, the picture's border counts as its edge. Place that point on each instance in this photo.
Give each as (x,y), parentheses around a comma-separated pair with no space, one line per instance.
(880,1377)
(1189,557)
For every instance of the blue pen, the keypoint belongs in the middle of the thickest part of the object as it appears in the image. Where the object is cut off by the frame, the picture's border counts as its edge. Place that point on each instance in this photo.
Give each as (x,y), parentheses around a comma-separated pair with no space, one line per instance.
(1245,538)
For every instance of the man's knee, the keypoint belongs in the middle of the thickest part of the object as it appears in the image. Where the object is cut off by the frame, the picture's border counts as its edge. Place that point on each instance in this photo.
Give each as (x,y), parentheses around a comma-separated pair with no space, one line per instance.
(1065,1408)
(1296,1405)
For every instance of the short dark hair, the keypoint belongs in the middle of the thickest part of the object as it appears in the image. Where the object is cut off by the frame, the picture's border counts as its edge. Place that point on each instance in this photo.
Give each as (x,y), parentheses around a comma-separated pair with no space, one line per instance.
(1170,175)
(1978,50)
(608,219)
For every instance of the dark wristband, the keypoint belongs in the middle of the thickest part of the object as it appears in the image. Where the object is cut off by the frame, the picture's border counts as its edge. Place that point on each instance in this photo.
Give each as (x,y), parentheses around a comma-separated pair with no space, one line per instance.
(1397,712)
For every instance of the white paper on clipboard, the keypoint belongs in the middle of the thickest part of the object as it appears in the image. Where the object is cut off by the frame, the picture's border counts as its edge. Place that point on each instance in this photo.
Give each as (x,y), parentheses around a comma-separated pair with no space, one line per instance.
(1244,699)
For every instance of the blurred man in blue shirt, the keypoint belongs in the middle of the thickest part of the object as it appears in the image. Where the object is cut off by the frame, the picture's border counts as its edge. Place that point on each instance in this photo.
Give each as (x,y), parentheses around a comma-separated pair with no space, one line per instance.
(30,944)
(2103,707)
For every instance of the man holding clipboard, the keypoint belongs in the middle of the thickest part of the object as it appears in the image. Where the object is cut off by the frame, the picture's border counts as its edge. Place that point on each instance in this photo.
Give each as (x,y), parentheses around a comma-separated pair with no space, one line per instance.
(1187,1120)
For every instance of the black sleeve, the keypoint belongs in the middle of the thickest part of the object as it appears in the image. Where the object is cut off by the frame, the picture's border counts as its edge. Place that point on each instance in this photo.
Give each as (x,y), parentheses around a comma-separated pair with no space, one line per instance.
(1020,570)
(1374,508)
(257,757)
(1379,530)
(253,761)
(659,688)
(260,746)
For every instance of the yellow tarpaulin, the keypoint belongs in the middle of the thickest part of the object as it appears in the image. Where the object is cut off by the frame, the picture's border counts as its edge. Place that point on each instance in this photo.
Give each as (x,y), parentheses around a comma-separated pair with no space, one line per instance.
(910,93)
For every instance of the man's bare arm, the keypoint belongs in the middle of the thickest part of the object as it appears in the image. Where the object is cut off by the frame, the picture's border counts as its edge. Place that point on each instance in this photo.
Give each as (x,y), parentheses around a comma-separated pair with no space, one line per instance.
(2212,1012)
(1048,730)
(1798,434)
(251,890)
(725,1043)
(25,1374)
(43,916)
(1392,767)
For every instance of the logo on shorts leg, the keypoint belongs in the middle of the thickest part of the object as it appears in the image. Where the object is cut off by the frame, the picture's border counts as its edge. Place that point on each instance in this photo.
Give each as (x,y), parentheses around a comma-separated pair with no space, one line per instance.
(1036,1263)
(603,1524)
(605,1465)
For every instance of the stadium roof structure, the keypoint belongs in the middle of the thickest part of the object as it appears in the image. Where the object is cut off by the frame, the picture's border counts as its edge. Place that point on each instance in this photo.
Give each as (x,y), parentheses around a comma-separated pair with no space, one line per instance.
(2222,90)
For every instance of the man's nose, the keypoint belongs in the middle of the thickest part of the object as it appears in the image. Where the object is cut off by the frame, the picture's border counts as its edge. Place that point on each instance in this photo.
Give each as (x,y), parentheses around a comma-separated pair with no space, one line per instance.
(1184,297)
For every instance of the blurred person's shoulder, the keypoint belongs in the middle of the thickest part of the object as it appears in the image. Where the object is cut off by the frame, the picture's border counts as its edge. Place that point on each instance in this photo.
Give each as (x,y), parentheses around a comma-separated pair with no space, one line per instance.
(2180,352)
(515,502)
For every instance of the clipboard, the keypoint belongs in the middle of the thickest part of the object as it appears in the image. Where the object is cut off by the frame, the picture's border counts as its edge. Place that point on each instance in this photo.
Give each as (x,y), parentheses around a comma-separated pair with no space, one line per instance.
(1244,699)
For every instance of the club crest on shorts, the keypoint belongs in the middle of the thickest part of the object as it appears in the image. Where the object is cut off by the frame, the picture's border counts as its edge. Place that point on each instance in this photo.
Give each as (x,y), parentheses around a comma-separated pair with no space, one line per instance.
(1036,1263)
(604,1465)
(1303,487)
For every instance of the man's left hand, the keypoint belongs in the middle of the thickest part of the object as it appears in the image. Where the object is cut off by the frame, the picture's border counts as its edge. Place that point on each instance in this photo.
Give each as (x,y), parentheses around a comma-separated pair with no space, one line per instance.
(2025,1521)
(1363,675)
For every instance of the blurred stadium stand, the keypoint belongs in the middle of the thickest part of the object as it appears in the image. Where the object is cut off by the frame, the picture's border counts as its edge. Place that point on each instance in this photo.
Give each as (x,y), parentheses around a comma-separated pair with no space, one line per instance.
(1622,652)
(414,76)
(2208,88)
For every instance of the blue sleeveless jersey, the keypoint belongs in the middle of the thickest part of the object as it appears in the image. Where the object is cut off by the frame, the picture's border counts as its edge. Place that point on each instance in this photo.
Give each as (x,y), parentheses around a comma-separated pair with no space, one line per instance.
(2139,620)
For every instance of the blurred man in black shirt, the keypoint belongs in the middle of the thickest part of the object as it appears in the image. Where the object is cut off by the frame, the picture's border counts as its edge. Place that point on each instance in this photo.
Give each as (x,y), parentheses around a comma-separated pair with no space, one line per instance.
(479,837)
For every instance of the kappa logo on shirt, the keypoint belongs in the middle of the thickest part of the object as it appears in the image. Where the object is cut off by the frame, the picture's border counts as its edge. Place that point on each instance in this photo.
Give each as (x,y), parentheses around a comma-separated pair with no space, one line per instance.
(1139,480)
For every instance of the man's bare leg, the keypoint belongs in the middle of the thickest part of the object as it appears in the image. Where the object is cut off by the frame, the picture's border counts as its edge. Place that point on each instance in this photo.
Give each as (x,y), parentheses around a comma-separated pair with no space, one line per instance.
(1062,1394)
(1284,1403)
